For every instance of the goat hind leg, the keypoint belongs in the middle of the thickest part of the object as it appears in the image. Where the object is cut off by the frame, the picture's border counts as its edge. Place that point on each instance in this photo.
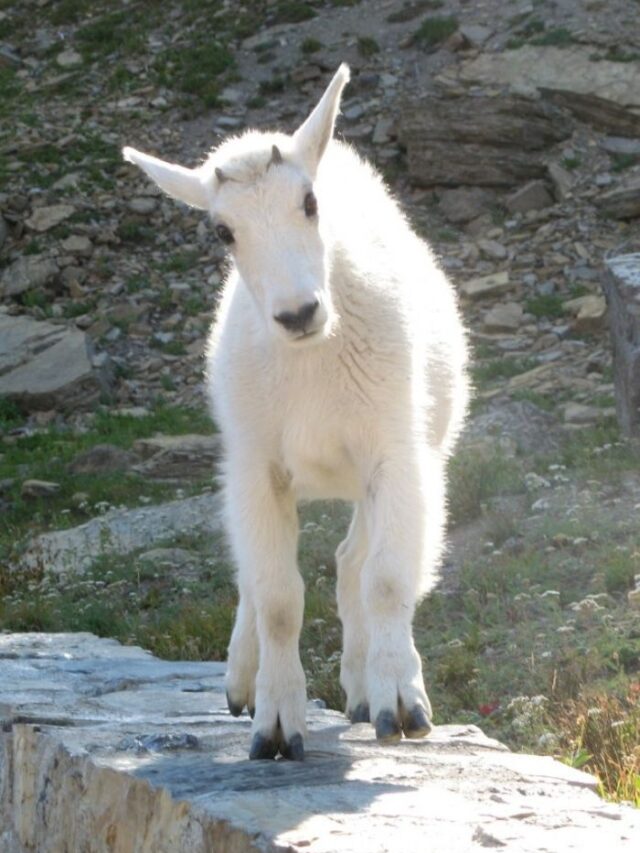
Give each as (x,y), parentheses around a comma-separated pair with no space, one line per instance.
(406,508)
(242,658)
(350,556)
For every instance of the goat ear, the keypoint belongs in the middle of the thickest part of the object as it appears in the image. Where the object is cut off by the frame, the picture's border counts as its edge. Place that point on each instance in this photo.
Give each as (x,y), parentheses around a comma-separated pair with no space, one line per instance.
(177,181)
(312,137)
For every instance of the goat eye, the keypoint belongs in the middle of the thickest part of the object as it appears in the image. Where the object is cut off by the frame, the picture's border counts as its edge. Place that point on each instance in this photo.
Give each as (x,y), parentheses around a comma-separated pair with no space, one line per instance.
(310,205)
(224,234)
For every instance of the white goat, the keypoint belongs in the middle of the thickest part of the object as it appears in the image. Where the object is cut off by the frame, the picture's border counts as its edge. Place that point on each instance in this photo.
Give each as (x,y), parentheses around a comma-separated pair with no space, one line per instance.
(337,370)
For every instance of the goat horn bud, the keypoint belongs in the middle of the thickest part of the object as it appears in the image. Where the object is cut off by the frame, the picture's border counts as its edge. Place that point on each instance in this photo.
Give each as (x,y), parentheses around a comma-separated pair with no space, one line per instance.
(220,175)
(276,156)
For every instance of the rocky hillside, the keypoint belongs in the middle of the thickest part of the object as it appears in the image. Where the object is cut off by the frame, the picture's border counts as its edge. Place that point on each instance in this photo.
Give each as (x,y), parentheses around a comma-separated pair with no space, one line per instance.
(510,131)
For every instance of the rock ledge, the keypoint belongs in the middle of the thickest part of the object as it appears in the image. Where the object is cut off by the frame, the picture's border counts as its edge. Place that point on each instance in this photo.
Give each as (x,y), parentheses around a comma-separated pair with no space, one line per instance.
(104,747)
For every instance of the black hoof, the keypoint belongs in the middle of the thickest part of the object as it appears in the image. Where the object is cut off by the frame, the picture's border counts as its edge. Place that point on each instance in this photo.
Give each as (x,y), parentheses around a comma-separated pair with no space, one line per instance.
(360,714)
(262,747)
(252,711)
(294,750)
(416,722)
(387,727)
(235,709)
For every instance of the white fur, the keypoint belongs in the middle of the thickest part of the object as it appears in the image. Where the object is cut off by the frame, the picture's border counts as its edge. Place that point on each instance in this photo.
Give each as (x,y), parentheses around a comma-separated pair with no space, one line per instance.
(366,409)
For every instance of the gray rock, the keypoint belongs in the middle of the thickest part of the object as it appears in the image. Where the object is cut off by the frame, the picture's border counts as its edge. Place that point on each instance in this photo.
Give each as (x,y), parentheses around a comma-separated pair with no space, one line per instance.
(581,414)
(478,141)
(568,69)
(102,458)
(178,457)
(486,285)
(4,231)
(39,489)
(103,747)
(621,284)
(623,202)
(69,59)
(465,203)
(533,196)
(561,179)
(601,113)
(43,366)
(78,244)
(493,250)
(45,218)
(121,532)
(531,429)
(621,145)
(27,272)
(144,205)
(503,318)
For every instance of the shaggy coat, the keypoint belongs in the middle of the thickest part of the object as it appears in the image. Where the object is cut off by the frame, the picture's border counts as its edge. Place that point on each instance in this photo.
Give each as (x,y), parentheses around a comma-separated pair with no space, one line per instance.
(336,368)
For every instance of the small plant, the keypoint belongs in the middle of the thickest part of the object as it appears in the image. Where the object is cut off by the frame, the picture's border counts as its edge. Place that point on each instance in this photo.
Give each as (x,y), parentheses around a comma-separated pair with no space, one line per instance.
(293,12)
(433,31)
(368,46)
(623,161)
(545,305)
(571,163)
(411,10)
(558,37)
(310,45)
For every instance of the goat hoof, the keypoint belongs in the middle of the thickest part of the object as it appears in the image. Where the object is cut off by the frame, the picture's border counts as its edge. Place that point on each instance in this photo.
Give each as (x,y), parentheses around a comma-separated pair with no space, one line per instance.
(252,711)
(387,727)
(262,747)
(294,749)
(235,708)
(416,722)
(360,714)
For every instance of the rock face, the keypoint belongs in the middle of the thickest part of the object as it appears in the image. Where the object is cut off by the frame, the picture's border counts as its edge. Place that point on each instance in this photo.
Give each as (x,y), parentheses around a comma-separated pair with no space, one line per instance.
(622,202)
(26,273)
(120,532)
(571,70)
(622,289)
(481,141)
(178,457)
(43,366)
(104,747)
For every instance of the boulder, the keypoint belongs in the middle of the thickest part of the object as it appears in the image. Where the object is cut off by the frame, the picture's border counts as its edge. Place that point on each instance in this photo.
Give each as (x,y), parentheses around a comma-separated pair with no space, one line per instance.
(478,141)
(178,457)
(532,196)
(464,204)
(105,747)
(623,202)
(486,285)
(102,458)
(121,531)
(45,218)
(621,285)
(27,273)
(45,366)
(505,317)
(604,93)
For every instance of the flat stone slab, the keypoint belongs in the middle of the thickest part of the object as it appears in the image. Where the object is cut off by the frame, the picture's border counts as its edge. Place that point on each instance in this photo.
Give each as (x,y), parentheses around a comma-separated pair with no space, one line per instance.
(104,747)
(121,531)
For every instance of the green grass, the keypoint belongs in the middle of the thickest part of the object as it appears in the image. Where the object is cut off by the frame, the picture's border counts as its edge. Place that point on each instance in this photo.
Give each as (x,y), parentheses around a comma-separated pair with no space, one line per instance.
(545,305)
(368,46)
(489,370)
(46,456)
(310,45)
(433,31)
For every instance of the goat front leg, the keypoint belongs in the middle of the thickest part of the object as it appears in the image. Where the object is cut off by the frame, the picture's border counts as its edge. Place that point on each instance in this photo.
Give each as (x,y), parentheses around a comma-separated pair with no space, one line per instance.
(405,507)
(263,528)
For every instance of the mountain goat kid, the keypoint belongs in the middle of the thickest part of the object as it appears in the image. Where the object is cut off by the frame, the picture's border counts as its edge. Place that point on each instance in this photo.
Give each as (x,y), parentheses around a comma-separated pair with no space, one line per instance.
(336,368)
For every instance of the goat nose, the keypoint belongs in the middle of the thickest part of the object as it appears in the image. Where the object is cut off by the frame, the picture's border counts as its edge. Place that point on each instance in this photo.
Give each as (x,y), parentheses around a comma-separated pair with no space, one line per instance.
(297,321)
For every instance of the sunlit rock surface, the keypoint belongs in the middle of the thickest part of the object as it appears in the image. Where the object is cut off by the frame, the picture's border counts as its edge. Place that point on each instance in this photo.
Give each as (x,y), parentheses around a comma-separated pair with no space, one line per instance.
(106,748)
